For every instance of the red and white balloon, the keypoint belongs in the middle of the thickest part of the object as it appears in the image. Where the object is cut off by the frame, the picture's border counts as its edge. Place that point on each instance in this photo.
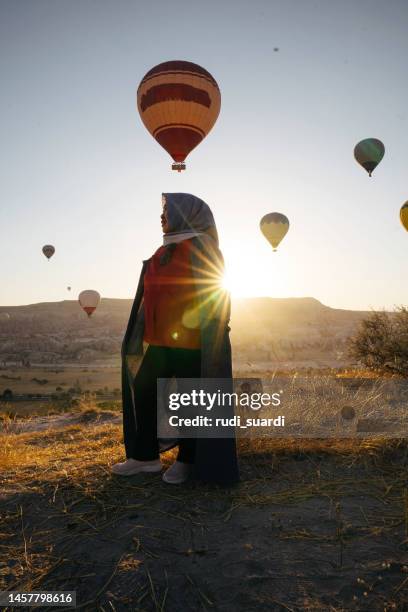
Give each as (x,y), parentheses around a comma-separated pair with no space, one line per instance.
(89,300)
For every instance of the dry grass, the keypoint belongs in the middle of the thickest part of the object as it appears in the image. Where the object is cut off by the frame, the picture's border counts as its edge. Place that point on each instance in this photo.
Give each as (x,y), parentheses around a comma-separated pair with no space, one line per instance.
(60,482)
(66,523)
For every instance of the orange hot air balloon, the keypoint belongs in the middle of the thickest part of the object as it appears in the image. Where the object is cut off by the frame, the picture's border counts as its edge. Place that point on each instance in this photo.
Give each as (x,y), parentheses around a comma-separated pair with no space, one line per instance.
(89,300)
(178,102)
(404,215)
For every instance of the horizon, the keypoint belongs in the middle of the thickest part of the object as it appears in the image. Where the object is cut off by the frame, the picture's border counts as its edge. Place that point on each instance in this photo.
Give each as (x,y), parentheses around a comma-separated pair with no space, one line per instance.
(233,299)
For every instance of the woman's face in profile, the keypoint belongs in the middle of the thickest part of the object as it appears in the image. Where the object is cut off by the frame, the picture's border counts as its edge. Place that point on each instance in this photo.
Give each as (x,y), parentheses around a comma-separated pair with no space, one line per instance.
(163,216)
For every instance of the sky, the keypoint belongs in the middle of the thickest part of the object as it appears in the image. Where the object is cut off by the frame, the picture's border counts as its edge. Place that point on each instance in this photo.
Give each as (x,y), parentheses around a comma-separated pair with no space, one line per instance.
(79,170)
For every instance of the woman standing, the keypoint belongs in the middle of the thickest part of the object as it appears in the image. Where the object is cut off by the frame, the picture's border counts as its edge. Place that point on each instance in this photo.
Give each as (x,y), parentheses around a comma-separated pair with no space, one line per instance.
(182,314)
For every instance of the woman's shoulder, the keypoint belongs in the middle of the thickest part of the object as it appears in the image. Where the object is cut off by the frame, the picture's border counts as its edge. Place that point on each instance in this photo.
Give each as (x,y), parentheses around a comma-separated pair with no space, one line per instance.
(157,253)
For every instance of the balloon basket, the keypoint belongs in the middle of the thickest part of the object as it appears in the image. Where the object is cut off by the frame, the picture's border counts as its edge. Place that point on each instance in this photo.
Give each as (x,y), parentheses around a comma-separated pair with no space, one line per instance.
(179,166)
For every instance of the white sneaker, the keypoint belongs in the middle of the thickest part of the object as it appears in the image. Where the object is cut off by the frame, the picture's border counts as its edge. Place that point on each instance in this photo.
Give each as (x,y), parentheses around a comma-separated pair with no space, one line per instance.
(177,473)
(133,466)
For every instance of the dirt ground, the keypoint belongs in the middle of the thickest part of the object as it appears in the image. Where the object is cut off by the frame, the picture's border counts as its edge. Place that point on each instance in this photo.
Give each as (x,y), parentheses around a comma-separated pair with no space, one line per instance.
(313,525)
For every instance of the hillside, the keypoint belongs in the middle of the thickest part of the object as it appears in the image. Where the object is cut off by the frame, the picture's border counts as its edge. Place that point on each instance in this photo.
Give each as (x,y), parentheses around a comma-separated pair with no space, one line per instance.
(262,329)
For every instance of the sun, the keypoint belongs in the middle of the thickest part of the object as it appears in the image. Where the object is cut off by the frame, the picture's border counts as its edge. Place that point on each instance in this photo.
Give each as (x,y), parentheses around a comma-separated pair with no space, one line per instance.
(249,275)
(246,272)
(240,284)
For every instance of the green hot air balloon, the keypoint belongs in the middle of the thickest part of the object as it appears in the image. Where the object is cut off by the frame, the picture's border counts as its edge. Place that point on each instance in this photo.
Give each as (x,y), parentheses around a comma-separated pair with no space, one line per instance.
(274,227)
(368,153)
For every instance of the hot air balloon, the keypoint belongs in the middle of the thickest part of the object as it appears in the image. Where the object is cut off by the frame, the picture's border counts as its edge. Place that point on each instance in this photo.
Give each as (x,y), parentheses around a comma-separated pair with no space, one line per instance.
(274,227)
(89,300)
(369,153)
(48,250)
(404,215)
(69,288)
(179,103)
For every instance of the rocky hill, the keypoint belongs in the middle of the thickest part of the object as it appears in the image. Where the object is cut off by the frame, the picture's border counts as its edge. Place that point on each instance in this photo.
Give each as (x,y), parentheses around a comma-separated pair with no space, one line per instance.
(262,329)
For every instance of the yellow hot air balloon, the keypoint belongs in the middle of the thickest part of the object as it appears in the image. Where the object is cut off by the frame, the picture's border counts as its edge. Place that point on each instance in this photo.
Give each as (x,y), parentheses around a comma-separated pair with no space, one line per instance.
(88,300)
(179,103)
(368,153)
(404,215)
(274,227)
(48,250)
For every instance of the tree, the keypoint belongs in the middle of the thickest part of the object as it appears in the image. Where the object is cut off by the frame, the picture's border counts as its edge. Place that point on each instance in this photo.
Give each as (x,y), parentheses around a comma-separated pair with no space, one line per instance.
(381,342)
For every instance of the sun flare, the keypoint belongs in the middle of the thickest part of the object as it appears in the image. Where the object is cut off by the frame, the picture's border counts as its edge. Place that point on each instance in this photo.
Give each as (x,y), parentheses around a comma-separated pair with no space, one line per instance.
(240,285)
(252,276)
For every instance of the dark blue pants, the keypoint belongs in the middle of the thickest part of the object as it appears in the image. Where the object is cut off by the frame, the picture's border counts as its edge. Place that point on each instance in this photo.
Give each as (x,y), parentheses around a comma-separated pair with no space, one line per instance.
(140,429)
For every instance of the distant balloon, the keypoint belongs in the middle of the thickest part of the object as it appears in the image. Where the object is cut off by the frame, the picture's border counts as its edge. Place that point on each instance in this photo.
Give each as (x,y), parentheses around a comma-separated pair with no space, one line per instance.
(368,153)
(4,316)
(48,250)
(404,215)
(274,227)
(89,300)
(179,103)
(69,288)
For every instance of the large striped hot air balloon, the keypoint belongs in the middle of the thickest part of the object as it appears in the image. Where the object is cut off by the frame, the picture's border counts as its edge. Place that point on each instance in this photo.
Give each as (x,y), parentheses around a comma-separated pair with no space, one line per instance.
(178,102)
(368,153)
(404,215)
(274,227)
